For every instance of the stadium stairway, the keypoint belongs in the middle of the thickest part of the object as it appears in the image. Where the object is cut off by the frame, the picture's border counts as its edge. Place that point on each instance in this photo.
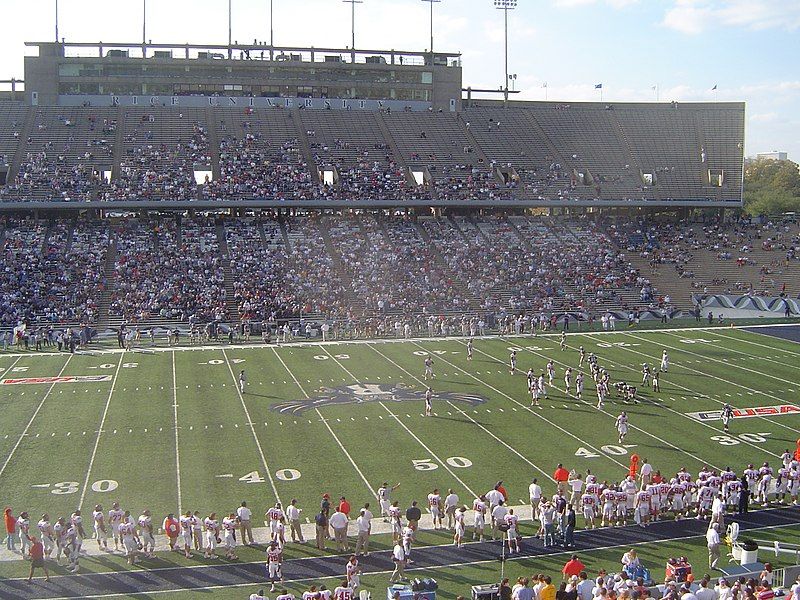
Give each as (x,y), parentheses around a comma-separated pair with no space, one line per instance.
(305,146)
(110,277)
(230,299)
(213,143)
(398,156)
(22,146)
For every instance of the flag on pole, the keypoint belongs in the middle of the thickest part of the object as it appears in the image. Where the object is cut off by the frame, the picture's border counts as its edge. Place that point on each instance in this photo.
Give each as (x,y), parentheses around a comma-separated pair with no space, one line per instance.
(598,86)
(654,88)
(714,88)
(544,85)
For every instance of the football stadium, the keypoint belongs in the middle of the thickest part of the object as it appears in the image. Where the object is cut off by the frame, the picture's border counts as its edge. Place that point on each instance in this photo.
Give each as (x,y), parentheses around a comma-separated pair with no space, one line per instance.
(319,320)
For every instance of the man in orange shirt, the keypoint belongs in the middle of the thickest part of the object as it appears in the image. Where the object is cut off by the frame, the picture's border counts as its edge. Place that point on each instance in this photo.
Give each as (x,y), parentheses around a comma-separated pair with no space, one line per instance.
(171,528)
(37,559)
(573,567)
(561,476)
(344,506)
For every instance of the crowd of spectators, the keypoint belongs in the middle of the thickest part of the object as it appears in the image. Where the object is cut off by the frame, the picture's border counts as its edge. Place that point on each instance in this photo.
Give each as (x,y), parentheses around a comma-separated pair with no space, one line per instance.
(56,278)
(170,270)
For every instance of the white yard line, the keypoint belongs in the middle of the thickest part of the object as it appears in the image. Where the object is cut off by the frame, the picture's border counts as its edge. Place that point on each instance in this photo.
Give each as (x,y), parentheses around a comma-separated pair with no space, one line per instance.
(731,364)
(692,392)
(722,379)
(100,432)
(36,412)
(605,412)
(457,409)
(327,425)
(177,449)
(526,407)
(765,346)
(403,425)
(252,427)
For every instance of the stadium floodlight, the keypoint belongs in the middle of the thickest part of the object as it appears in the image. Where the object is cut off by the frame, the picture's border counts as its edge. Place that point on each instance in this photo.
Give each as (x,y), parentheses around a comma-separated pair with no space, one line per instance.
(505,6)
(352,4)
(432,2)
(56,21)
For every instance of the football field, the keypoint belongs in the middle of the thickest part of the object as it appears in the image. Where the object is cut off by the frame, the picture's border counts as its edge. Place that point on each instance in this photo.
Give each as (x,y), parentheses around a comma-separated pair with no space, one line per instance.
(169,429)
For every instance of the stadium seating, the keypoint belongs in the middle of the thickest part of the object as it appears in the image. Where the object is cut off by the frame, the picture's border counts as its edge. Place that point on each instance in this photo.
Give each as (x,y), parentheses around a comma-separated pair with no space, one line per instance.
(546,151)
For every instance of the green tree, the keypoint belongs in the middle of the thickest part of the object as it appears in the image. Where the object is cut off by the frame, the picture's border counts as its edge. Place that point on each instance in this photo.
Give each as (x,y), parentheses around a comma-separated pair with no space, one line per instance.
(771,187)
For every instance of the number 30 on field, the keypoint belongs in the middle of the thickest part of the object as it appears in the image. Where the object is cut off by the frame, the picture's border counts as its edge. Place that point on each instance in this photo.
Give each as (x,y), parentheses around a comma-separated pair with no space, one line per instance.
(71,487)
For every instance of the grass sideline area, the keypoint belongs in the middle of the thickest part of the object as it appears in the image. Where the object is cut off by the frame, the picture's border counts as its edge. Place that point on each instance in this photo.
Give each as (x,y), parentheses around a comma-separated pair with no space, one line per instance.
(169,430)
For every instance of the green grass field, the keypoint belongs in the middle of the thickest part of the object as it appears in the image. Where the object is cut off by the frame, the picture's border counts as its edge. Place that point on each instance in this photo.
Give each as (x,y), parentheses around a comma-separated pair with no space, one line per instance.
(169,430)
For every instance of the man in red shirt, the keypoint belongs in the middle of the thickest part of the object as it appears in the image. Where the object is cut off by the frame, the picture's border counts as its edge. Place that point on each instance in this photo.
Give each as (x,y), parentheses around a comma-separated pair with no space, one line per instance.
(561,476)
(573,567)
(37,559)
(344,506)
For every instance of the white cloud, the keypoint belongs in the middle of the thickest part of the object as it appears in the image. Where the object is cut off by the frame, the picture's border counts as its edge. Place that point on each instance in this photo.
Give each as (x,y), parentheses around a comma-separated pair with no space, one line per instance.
(696,16)
(768,117)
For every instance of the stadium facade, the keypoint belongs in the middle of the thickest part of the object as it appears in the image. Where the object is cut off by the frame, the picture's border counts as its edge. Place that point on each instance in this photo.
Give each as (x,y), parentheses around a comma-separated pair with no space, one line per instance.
(351,121)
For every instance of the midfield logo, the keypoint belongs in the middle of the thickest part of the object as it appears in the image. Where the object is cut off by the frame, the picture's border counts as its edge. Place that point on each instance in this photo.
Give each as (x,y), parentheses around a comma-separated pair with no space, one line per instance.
(746,413)
(370,392)
(64,379)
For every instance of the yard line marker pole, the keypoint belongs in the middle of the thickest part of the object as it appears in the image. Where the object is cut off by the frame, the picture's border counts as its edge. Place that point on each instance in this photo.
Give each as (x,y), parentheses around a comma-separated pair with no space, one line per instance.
(403,425)
(457,409)
(327,425)
(100,431)
(36,412)
(524,407)
(675,363)
(177,450)
(252,427)
(672,410)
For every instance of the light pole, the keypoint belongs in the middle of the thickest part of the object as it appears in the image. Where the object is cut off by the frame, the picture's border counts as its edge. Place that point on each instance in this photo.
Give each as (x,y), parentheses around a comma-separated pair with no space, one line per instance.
(230,30)
(512,77)
(432,2)
(352,4)
(505,6)
(144,28)
(56,21)
(271,32)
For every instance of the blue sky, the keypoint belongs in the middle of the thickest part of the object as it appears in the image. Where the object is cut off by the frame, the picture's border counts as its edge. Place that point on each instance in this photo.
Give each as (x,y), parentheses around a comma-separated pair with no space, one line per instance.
(748,48)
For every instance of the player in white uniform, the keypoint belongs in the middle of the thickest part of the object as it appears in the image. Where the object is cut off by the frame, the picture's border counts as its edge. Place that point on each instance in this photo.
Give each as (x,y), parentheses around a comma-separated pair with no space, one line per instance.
(59,530)
(583,356)
(480,508)
(428,402)
(229,525)
(46,533)
(568,379)
(563,342)
(579,385)
(470,349)
(677,495)
(428,362)
(435,506)
(607,499)
(643,507)
(621,425)
(705,497)
(664,361)
(542,388)
(187,533)
(353,573)
(343,592)
(551,372)
(115,516)
(621,506)
(384,498)
(274,561)
(511,533)
(275,516)
(146,534)
(588,503)
(460,526)
(101,532)
(394,519)
(242,381)
(533,388)
(130,541)
(512,361)
(211,530)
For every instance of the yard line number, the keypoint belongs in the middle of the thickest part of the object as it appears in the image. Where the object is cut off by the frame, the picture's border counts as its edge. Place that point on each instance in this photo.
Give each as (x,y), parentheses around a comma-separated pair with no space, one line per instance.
(609,449)
(282,474)
(70,487)
(752,438)
(427,464)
